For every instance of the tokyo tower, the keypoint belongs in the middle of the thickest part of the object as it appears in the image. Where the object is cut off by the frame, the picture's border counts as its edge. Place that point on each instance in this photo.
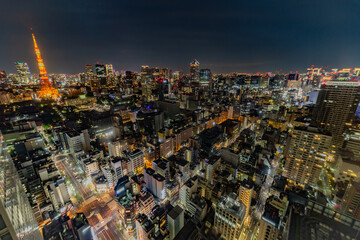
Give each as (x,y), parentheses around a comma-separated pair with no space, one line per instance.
(47,90)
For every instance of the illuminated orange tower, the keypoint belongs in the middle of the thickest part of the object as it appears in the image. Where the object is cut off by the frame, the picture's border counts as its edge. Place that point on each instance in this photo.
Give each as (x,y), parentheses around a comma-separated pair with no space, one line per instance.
(47,90)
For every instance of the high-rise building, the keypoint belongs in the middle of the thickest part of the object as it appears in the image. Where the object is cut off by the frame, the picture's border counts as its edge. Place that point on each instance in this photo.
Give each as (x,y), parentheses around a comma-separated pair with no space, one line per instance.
(205,76)
(89,72)
(211,164)
(229,217)
(155,183)
(273,223)
(164,73)
(245,194)
(356,72)
(76,141)
(117,166)
(13,198)
(186,191)
(136,160)
(352,143)
(351,200)
(6,229)
(109,70)
(146,82)
(116,148)
(309,149)
(23,72)
(293,80)
(194,71)
(336,107)
(175,221)
(100,70)
(313,76)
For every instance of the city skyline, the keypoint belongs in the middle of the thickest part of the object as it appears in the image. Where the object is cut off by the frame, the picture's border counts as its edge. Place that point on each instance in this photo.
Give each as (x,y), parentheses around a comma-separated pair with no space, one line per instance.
(238,37)
(173,120)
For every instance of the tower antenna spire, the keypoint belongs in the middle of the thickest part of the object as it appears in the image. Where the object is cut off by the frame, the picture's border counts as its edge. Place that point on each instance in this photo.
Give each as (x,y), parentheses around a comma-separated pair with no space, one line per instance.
(47,90)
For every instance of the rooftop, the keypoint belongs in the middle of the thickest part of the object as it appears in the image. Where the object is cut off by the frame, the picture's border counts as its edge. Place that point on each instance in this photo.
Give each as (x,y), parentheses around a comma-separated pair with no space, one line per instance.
(231,205)
(175,212)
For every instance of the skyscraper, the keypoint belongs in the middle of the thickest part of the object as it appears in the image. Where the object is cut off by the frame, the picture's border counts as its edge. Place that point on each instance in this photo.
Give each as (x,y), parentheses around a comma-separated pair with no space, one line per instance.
(89,72)
(205,76)
(351,200)
(335,108)
(229,217)
(245,194)
(47,90)
(109,70)
(309,149)
(194,71)
(23,72)
(13,198)
(110,75)
(313,76)
(175,220)
(100,70)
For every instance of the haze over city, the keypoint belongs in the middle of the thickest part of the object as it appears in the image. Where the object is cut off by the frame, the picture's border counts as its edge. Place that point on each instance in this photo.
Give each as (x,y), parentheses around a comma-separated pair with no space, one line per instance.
(231,36)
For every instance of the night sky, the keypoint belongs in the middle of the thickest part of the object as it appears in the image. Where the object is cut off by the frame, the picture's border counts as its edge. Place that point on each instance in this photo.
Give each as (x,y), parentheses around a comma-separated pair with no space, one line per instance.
(225,36)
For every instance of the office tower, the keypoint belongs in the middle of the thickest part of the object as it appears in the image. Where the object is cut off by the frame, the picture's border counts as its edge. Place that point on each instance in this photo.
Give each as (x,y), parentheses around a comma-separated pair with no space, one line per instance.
(164,73)
(13,198)
(194,71)
(273,223)
(6,229)
(186,191)
(175,221)
(116,148)
(205,76)
(356,72)
(264,81)
(245,194)
(109,70)
(229,217)
(3,77)
(130,76)
(277,81)
(335,108)
(255,81)
(136,160)
(146,82)
(176,75)
(76,141)
(117,167)
(100,70)
(23,71)
(343,74)
(89,72)
(211,164)
(110,75)
(351,200)
(313,76)
(293,80)
(352,143)
(309,149)
(47,90)
(155,183)
(146,74)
